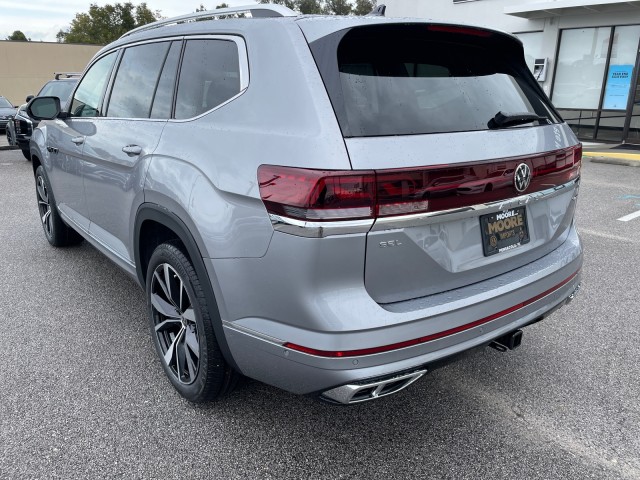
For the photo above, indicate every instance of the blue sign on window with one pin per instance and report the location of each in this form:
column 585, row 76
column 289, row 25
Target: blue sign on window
column 618, row 85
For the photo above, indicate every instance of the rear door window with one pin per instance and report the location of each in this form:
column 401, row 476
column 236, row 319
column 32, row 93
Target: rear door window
column 163, row 98
column 135, row 82
column 209, row 76
column 410, row 79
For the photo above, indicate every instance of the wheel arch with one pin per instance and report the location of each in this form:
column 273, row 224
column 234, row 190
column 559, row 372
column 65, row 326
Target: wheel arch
column 155, row 219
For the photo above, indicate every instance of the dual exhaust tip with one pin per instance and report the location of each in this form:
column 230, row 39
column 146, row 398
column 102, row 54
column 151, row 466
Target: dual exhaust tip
column 351, row 394
column 374, row 389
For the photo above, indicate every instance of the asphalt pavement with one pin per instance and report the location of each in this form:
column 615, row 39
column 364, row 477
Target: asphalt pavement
column 83, row 395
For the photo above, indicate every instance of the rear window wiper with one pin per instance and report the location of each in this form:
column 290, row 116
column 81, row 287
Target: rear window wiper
column 506, row 120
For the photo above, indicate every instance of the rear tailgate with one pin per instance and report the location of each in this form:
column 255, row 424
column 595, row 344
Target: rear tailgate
column 413, row 255
column 463, row 194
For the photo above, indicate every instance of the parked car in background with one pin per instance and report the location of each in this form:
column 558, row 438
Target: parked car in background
column 7, row 111
column 20, row 128
column 287, row 193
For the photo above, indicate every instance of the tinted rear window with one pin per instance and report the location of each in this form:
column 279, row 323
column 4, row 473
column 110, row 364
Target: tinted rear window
column 408, row 79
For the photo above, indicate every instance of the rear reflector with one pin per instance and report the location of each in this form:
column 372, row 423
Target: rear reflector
column 427, row 338
column 330, row 195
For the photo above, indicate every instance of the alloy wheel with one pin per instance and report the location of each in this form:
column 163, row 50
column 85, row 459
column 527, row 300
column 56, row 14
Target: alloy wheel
column 175, row 323
column 43, row 205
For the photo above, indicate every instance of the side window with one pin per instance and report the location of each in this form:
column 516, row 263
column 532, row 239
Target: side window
column 86, row 100
column 210, row 75
column 136, row 81
column 164, row 92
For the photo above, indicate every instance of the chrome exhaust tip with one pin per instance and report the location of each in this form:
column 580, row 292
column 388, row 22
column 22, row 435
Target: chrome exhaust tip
column 351, row 394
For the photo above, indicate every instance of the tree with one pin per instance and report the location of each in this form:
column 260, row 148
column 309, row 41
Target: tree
column 287, row 3
column 310, row 7
column 102, row 25
column 18, row 36
column 338, row 7
column 335, row 7
column 222, row 5
column 364, row 7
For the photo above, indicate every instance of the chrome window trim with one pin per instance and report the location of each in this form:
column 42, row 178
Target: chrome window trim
column 307, row 229
column 243, row 61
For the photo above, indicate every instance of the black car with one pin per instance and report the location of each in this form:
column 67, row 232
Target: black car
column 19, row 129
column 7, row 111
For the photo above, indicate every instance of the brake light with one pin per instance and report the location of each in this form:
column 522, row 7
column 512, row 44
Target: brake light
column 476, row 32
column 329, row 195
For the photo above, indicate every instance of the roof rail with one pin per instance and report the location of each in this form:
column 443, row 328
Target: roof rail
column 57, row 75
column 256, row 11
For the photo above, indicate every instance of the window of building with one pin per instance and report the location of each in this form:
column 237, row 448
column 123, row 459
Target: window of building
column 593, row 82
column 582, row 59
column 532, row 43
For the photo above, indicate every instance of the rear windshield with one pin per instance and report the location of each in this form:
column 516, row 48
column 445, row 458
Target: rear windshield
column 56, row 88
column 418, row 79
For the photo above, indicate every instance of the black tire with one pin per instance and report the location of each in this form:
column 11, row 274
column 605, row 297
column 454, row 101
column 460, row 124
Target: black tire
column 182, row 329
column 58, row 233
column 9, row 139
column 26, row 154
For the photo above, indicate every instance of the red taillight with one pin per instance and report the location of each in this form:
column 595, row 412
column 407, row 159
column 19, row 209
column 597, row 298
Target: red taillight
column 317, row 195
column 326, row 195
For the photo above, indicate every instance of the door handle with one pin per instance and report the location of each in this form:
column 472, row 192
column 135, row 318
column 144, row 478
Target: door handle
column 132, row 149
column 78, row 140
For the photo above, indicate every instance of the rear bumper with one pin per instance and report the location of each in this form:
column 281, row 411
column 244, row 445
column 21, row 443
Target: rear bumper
column 475, row 315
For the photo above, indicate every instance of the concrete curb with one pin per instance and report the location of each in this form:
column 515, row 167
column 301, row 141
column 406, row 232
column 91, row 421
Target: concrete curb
column 8, row 147
column 629, row 158
column 615, row 161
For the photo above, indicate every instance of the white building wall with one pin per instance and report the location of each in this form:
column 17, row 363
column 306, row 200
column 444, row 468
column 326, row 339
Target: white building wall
column 485, row 12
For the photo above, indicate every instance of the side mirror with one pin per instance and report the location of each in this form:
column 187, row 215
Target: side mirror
column 29, row 98
column 44, row 108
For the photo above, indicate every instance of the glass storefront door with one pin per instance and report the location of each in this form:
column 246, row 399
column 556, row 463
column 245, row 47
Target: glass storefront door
column 595, row 77
column 632, row 129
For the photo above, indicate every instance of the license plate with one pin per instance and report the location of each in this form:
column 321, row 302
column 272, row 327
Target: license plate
column 503, row 231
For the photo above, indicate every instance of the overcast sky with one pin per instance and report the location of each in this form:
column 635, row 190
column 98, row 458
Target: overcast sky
column 41, row 20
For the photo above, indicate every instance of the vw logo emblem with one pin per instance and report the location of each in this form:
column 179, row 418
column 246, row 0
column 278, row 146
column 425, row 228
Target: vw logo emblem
column 522, row 177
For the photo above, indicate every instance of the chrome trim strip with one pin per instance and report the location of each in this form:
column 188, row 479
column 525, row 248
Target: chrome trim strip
column 428, row 218
column 308, row 229
column 319, row 229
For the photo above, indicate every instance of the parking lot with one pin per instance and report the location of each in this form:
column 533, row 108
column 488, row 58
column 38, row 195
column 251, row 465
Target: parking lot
column 82, row 393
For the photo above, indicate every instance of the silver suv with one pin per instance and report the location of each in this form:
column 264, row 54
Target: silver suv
column 330, row 205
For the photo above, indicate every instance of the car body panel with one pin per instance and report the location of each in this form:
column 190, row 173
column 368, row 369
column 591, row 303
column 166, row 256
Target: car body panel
column 114, row 178
column 65, row 167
